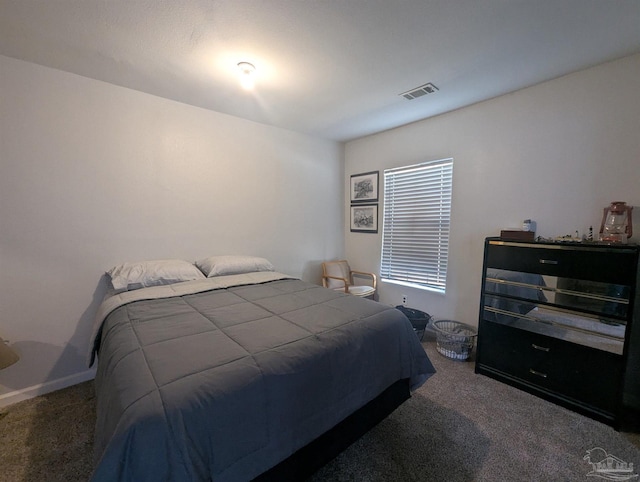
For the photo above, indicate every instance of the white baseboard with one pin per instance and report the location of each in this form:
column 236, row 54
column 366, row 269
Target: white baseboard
column 46, row 387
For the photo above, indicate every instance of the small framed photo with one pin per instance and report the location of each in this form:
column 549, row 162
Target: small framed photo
column 364, row 218
column 364, row 187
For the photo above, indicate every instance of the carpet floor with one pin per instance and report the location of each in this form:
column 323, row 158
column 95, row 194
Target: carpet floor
column 457, row 427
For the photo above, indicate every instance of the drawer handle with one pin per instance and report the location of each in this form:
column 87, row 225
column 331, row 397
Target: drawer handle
column 548, row 261
column 538, row 347
column 537, row 373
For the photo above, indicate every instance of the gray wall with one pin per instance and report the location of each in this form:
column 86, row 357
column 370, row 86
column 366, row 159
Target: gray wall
column 557, row 152
column 92, row 175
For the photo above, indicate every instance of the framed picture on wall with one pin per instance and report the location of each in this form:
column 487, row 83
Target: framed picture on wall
column 364, row 218
column 364, row 187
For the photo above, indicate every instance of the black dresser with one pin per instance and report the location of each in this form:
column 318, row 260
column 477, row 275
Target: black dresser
column 557, row 320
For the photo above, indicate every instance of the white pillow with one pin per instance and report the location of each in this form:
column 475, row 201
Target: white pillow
column 130, row 276
column 223, row 265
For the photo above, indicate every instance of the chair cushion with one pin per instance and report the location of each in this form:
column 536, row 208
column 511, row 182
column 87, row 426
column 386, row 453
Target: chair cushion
column 361, row 290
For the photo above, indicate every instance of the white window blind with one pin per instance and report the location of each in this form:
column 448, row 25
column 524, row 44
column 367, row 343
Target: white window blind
column 416, row 220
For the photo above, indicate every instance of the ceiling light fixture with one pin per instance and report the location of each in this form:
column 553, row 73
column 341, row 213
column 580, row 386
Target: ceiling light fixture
column 246, row 75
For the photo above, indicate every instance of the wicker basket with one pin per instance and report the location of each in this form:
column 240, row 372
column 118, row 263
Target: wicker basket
column 454, row 339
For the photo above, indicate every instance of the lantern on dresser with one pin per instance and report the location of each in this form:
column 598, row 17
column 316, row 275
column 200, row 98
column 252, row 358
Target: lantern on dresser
column 616, row 223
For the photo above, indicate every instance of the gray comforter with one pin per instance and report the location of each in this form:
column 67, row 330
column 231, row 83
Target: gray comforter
column 224, row 383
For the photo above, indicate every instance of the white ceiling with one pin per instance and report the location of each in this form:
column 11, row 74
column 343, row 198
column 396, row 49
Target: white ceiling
column 330, row 68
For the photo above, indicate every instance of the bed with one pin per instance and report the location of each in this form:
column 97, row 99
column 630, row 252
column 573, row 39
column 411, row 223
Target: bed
column 232, row 376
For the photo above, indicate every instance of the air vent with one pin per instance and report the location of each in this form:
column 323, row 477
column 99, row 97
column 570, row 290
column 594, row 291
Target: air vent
column 420, row 91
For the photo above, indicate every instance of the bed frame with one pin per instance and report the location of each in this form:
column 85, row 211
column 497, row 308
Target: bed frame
column 326, row 447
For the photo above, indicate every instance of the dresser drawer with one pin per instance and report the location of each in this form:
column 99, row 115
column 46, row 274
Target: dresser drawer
column 571, row 371
column 616, row 266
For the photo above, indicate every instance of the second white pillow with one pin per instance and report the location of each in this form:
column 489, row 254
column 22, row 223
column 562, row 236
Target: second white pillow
column 232, row 264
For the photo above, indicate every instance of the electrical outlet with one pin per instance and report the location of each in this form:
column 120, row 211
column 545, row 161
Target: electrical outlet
column 404, row 300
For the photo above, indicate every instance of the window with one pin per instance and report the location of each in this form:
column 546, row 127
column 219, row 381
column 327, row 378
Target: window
column 416, row 220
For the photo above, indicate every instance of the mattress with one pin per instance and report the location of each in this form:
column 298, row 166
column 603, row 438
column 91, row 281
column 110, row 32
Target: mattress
column 223, row 378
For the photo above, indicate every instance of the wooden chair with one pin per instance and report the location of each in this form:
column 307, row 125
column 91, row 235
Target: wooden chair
column 337, row 275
